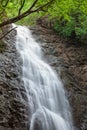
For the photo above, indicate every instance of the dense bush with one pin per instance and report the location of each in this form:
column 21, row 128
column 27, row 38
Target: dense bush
column 71, row 18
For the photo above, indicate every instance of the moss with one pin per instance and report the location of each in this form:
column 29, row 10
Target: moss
column 2, row 46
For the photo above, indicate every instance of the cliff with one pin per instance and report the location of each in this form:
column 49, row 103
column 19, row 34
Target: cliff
column 14, row 110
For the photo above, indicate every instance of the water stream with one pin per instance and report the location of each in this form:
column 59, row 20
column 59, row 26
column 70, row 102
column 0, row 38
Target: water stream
column 48, row 104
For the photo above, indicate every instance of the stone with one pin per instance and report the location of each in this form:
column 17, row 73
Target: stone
column 14, row 112
column 70, row 64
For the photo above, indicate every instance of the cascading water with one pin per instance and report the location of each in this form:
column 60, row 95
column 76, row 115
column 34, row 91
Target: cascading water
column 46, row 96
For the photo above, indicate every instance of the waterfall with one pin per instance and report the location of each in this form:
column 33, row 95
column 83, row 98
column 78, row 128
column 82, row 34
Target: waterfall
column 48, row 104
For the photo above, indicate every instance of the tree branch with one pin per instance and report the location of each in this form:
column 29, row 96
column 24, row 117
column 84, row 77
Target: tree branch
column 26, row 13
column 33, row 5
column 22, row 5
column 41, row 8
column 6, row 3
column 7, row 33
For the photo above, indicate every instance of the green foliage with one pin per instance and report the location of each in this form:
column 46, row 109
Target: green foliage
column 71, row 18
column 70, row 15
column 81, row 29
column 65, row 29
column 13, row 6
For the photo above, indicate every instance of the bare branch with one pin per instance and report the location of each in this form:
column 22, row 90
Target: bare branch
column 26, row 13
column 22, row 5
column 6, row 3
column 7, row 33
column 41, row 8
column 33, row 5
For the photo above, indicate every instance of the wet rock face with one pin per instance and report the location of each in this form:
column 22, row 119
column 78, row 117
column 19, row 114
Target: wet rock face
column 14, row 111
column 76, row 92
column 77, row 98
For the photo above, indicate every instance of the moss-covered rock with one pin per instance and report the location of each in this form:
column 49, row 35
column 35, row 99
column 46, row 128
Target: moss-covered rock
column 2, row 46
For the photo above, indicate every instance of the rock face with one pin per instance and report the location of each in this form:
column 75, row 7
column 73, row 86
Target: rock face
column 13, row 100
column 14, row 110
column 69, row 63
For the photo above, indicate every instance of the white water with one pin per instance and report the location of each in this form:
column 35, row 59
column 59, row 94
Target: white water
column 46, row 96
